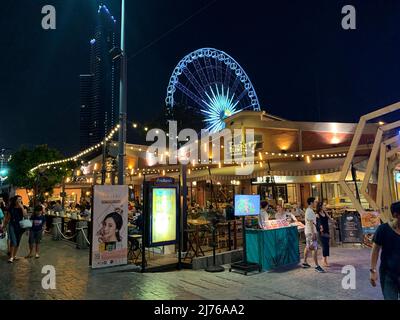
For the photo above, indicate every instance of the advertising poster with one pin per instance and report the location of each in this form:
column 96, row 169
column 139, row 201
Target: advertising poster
column 350, row 227
column 163, row 215
column 370, row 221
column 110, row 226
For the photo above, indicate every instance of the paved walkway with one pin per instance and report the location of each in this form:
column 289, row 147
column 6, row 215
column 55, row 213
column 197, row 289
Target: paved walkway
column 74, row 280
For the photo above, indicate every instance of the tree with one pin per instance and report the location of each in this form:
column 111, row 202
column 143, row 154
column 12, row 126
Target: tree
column 43, row 179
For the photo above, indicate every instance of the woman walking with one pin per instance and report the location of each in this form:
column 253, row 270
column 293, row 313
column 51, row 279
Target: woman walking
column 16, row 213
column 323, row 230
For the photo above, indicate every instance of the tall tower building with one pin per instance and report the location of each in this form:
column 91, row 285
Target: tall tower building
column 99, row 88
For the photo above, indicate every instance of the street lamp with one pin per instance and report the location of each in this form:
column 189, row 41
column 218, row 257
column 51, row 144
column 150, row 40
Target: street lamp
column 122, row 101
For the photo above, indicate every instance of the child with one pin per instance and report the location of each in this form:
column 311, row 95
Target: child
column 35, row 234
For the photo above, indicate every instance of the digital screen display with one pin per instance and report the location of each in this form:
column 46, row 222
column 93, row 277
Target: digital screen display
column 247, row 205
column 163, row 218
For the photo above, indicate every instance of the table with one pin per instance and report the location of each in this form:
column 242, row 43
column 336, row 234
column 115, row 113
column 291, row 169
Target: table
column 195, row 241
column 273, row 248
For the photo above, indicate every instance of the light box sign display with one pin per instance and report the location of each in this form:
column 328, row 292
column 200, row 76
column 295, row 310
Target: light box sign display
column 247, row 205
column 163, row 217
column 110, row 226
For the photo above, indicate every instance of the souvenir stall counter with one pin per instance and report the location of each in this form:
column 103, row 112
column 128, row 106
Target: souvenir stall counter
column 273, row 248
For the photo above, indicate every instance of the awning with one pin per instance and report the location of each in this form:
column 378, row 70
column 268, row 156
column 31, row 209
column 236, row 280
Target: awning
column 287, row 168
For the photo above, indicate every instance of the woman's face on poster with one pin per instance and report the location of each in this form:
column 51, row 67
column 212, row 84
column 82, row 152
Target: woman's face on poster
column 110, row 230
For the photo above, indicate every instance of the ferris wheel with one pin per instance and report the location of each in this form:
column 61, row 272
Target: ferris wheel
column 213, row 82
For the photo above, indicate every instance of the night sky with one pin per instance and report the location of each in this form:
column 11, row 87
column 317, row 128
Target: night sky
column 303, row 65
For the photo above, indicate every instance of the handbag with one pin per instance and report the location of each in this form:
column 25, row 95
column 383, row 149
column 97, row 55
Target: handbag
column 25, row 223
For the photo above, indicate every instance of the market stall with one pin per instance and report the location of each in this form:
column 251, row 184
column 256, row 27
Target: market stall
column 273, row 248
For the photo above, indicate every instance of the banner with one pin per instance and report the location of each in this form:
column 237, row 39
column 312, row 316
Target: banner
column 110, row 226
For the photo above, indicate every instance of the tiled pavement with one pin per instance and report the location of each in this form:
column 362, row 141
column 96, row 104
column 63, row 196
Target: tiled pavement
column 74, row 280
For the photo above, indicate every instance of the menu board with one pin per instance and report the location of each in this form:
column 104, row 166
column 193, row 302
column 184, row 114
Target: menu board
column 350, row 228
column 276, row 224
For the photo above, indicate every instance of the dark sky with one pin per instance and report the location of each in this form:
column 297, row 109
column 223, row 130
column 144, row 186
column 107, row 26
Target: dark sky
column 303, row 65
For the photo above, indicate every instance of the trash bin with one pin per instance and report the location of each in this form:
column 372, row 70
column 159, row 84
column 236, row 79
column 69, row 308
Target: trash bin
column 56, row 228
column 82, row 235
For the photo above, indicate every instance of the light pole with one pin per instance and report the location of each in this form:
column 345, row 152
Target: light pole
column 122, row 101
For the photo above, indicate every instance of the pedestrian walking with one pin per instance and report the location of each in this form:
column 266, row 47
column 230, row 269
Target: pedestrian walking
column 387, row 242
column 323, row 230
column 17, row 212
column 36, row 232
column 310, row 231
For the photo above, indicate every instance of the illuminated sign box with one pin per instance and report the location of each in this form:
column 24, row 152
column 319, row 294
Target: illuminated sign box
column 163, row 218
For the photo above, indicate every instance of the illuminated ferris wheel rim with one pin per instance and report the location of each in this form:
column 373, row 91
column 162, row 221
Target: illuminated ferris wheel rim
column 206, row 86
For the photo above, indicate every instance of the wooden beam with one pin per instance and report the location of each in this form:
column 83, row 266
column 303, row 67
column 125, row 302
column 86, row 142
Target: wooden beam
column 381, row 174
column 353, row 148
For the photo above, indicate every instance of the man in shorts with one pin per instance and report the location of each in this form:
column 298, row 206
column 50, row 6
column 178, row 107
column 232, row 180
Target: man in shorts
column 311, row 235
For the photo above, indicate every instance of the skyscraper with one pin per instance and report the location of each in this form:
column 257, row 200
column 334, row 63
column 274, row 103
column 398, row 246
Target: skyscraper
column 99, row 88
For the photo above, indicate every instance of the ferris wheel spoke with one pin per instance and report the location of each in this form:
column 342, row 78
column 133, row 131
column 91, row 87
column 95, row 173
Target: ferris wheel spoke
column 227, row 77
column 199, row 88
column 240, row 96
column 209, row 68
column 236, row 84
column 219, row 70
column 246, row 108
column 201, row 73
column 190, row 94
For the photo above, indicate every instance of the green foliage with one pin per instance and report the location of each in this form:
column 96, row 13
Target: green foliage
column 44, row 179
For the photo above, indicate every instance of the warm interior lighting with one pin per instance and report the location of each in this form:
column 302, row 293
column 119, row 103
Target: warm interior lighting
column 194, row 183
column 318, row 177
column 308, row 160
column 335, row 140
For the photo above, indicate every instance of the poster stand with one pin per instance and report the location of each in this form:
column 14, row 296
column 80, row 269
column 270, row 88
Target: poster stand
column 245, row 266
column 147, row 237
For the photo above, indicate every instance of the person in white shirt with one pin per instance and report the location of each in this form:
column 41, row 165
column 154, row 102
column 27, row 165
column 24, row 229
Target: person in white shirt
column 311, row 235
column 263, row 216
column 283, row 215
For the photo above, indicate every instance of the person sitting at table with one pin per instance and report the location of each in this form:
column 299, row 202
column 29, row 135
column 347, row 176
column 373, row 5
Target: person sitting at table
column 139, row 222
column 85, row 210
column 263, row 216
column 284, row 215
column 298, row 211
column 57, row 206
